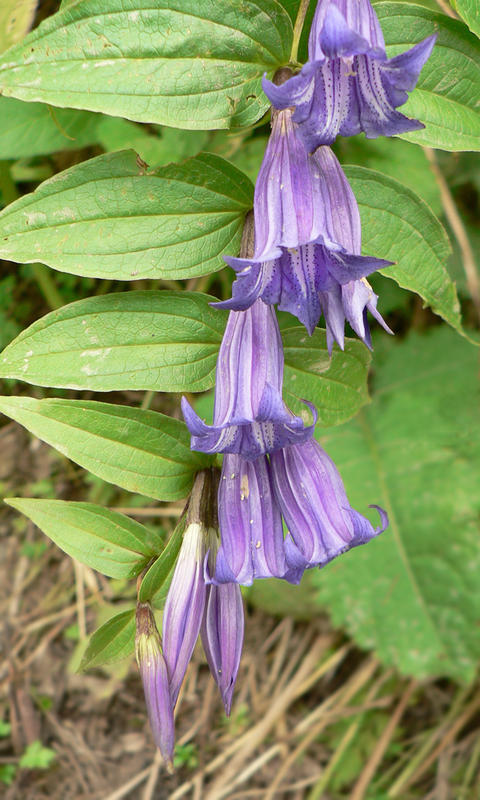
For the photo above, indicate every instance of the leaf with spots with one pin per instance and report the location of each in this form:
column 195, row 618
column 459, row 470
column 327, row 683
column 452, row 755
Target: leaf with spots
column 192, row 64
column 161, row 341
column 111, row 217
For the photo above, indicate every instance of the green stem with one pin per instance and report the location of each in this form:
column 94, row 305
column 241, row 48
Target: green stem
column 47, row 286
column 298, row 29
column 7, row 186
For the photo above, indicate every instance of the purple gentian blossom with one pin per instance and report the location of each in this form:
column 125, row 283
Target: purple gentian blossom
column 156, row 686
column 307, row 240
column 348, row 84
column 183, row 613
column 222, row 636
column 250, row 417
column 252, row 543
column 320, row 520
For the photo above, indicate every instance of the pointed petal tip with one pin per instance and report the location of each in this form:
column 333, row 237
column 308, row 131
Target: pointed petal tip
column 384, row 521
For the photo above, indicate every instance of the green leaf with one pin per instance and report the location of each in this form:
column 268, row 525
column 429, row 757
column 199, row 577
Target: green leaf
column 164, row 147
column 446, row 97
column 111, row 218
column 403, row 161
column 141, row 451
column 398, row 226
column 337, row 386
column 16, row 18
column 163, row 341
column 105, row 540
column 163, row 566
column 184, row 63
column 111, row 642
column 32, row 129
column 469, row 10
column 412, row 594
column 36, row 756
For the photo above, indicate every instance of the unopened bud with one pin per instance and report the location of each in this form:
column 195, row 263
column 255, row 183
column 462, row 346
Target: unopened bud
column 151, row 663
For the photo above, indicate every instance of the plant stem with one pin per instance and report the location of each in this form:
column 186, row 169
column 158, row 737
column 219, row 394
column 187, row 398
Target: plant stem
column 47, row 286
column 40, row 272
column 7, row 186
column 298, row 29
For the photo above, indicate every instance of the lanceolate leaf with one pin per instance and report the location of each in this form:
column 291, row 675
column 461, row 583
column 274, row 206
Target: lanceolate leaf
column 139, row 450
column 110, row 217
column 160, row 570
column 105, row 540
column 446, row 97
column 399, row 226
column 412, row 594
column 337, row 386
column 184, row 63
column 469, row 10
column 111, row 642
column 163, row 341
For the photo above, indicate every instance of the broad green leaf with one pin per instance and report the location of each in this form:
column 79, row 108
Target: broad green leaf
column 412, row 594
column 446, row 97
column 105, row 540
column 469, row 10
column 164, row 147
column 337, row 386
column 399, row 226
column 184, row 63
column 112, row 218
column 16, row 18
column 163, row 341
column 160, row 570
column 32, row 129
column 142, row 451
column 404, row 161
column 111, row 642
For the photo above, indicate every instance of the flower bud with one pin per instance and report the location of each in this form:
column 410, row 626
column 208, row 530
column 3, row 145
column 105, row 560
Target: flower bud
column 151, row 663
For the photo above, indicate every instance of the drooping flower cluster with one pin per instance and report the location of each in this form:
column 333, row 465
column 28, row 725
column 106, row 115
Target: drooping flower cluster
column 307, row 240
column 279, row 506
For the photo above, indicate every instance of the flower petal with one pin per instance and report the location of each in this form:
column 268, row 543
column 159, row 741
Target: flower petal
column 184, row 606
column 222, row 636
column 250, row 416
column 250, row 523
column 311, row 495
column 153, row 671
